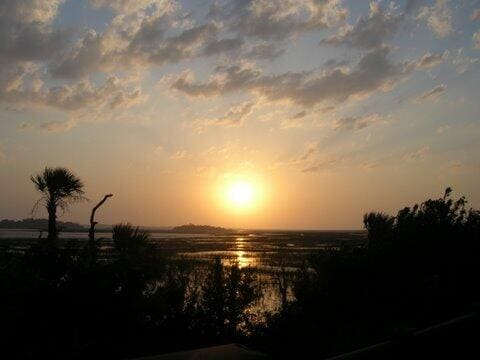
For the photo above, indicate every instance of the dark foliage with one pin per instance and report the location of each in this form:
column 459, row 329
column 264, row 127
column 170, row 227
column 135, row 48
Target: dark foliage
column 418, row 267
column 57, row 303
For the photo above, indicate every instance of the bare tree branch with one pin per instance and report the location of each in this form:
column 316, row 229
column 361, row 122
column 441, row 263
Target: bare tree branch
column 91, row 232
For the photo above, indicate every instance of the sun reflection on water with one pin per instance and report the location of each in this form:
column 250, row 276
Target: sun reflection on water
column 241, row 255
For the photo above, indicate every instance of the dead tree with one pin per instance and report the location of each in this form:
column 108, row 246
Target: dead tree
column 91, row 232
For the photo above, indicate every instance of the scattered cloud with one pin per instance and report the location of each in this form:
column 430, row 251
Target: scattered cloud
column 442, row 129
column 233, row 117
column 311, row 148
column 430, row 60
column 368, row 32
column 322, row 165
column 360, row 122
column 417, row 155
column 374, row 72
column 439, row 18
column 27, row 32
column 264, row 51
column 159, row 150
column 215, row 46
column 462, row 62
column 297, row 120
column 299, row 115
column 112, row 94
column 25, row 127
column 277, row 19
column 87, row 73
column 56, row 126
column 476, row 40
column 432, row 94
column 178, row 155
column 455, row 166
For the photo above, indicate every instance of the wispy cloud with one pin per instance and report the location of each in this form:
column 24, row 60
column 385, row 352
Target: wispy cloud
column 432, row 94
column 235, row 116
column 417, row 155
column 360, row 122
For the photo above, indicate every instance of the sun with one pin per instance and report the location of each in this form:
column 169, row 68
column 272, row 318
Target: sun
column 240, row 194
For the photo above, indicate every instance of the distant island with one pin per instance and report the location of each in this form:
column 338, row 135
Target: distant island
column 200, row 229
column 39, row 224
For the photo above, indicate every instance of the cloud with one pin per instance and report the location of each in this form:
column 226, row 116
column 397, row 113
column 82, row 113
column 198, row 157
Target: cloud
column 26, row 32
column 417, row 154
column 25, row 127
column 81, row 60
column 476, row 40
column 149, row 32
column 430, row 60
column 220, row 46
column 56, row 126
column 82, row 100
column 233, row 117
column 368, row 32
column 311, row 148
column 432, row 94
column 143, row 34
column 442, row 129
column 305, row 159
column 264, row 52
column 277, row 19
column 178, row 155
column 439, row 18
column 322, row 165
column 299, row 115
column 462, row 62
column 159, row 150
column 359, row 122
column 295, row 121
column 374, row 72
column 132, row 6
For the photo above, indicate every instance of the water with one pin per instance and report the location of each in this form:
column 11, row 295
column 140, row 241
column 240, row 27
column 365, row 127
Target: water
column 261, row 249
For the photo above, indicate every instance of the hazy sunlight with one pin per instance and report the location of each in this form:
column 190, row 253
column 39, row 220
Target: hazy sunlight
column 241, row 193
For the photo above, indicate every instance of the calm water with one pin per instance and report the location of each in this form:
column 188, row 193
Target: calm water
column 258, row 249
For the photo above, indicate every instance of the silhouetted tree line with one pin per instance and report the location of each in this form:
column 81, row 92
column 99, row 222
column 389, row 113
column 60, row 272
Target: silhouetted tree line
column 57, row 302
column 64, row 301
column 60, row 300
column 38, row 224
column 418, row 267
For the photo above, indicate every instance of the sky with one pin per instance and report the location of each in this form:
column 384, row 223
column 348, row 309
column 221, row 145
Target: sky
column 326, row 109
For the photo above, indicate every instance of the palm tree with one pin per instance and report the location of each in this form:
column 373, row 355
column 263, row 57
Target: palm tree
column 59, row 188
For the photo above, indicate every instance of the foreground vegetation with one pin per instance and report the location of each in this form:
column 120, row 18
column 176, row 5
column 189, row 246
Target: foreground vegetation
column 418, row 267
column 59, row 301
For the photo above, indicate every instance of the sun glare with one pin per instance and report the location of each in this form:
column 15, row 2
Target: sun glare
column 240, row 193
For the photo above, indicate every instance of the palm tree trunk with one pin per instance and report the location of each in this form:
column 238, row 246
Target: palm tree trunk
column 52, row 222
